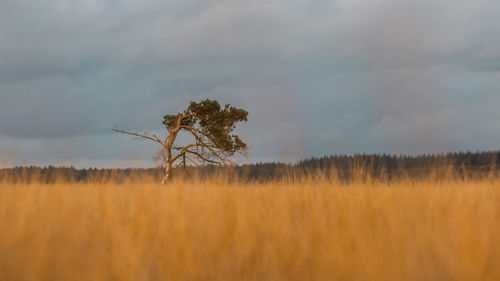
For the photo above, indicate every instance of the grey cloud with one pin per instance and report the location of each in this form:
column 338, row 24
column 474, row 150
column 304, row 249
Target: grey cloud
column 81, row 151
column 448, row 129
column 318, row 77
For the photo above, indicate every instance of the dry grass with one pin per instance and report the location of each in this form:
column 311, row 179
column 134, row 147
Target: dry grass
column 217, row 231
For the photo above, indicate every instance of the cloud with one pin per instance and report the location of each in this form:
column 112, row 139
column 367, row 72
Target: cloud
column 83, row 151
column 318, row 77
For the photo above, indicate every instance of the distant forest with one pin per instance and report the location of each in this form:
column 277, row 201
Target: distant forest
column 341, row 167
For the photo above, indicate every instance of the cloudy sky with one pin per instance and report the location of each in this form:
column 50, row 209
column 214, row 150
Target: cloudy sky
column 317, row 76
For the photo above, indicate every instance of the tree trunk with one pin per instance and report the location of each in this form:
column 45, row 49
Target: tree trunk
column 168, row 164
column 168, row 170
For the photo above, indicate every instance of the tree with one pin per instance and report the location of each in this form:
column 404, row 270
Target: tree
column 210, row 127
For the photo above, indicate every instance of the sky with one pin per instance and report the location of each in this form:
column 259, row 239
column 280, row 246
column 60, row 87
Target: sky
column 318, row 77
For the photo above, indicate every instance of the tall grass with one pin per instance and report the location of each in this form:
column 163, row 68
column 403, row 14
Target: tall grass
column 214, row 230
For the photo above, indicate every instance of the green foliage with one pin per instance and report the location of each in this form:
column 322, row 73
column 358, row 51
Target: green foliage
column 170, row 120
column 215, row 122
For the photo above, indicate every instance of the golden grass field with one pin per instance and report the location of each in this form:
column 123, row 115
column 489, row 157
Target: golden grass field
column 313, row 230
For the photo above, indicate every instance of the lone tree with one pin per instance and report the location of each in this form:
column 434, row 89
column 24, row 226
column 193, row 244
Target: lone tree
column 210, row 127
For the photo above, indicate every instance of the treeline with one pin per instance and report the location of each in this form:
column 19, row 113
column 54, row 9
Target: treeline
column 340, row 167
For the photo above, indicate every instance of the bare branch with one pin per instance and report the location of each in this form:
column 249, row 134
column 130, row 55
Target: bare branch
column 194, row 131
column 202, row 144
column 193, row 115
column 177, row 156
column 211, row 148
column 184, row 149
column 203, row 158
column 145, row 136
column 155, row 136
column 193, row 145
column 192, row 161
column 178, row 126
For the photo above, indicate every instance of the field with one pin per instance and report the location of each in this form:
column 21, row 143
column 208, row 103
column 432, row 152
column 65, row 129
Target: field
column 309, row 230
